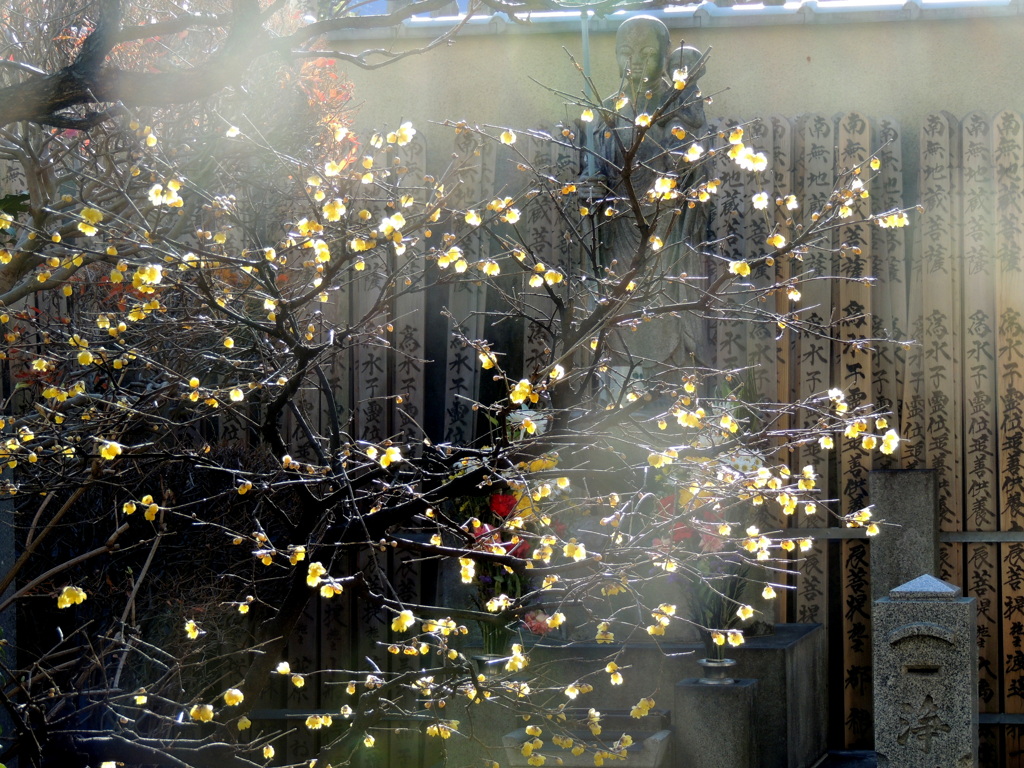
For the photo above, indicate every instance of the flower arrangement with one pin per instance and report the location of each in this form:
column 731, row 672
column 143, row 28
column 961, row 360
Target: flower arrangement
column 498, row 586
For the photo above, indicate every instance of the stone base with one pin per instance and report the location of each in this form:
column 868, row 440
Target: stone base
column 790, row 711
column 714, row 725
column 649, row 750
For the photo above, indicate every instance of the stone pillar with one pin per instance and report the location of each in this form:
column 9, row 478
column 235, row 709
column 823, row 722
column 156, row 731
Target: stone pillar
column 713, row 726
column 910, row 499
column 926, row 676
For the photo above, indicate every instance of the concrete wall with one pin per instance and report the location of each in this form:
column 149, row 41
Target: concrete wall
column 789, row 63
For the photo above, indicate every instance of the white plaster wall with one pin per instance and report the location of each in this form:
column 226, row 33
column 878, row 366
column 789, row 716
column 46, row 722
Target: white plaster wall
column 903, row 69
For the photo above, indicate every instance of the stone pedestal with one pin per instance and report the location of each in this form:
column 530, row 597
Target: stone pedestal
column 649, row 750
column 926, row 676
column 790, row 710
column 714, row 725
column 909, row 498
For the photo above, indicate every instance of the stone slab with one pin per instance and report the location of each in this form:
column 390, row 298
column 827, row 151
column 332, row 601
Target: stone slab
column 909, row 498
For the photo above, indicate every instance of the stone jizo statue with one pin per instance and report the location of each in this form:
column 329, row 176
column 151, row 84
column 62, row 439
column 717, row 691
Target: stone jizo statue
column 646, row 70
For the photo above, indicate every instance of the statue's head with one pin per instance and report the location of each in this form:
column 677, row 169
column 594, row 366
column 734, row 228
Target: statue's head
column 641, row 45
column 689, row 58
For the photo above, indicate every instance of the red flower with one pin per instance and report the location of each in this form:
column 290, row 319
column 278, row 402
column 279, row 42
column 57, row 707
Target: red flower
column 502, row 504
column 681, row 531
column 536, row 622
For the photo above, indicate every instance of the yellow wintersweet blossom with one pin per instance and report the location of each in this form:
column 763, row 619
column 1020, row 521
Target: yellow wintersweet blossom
column 508, row 137
column 555, row 620
column 146, row 277
column 314, row 574
column 604, row 635
column 826, row 442
column 201, row 712
column 679, row 78
column 70, row 596
column 744, row 612
column 587, row 115
column 518, row 660
column 444, row 730
column 268, row 751
column 233, row 697
column 777, row 241
column 643, row 120
column 192, row 630
column 664, row 187
column 522, row 392
column 487, row 359
column 473, row 218
column 467, row 569
column 298, row 681
column 659, row 460
column 693, row 153
column 110, row 450
column 735, row 637
column 334, row 210
column 236, row 395
column 91, row 217
column 890, row 441
column 161, row 195
column 750, row 160
column 575, row 550
column 391, row 456
column 528, row 425
column 283, row 668
column 740, row 268
column 760, row 201
column 893, row 220
column 642, row 708
column 403, row 621
column 403, row 135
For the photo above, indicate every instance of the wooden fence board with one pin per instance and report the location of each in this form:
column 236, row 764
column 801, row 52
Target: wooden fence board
column 468, row 298
column 1008, row 145
column 813, row 364
column 855, row 365
column 939, row 180
column 979, row 484
column 408, row 335
column 889, row 296
column 782, row 170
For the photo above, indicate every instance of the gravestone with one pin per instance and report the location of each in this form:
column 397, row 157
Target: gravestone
column 926, row 676
column 908, row 498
